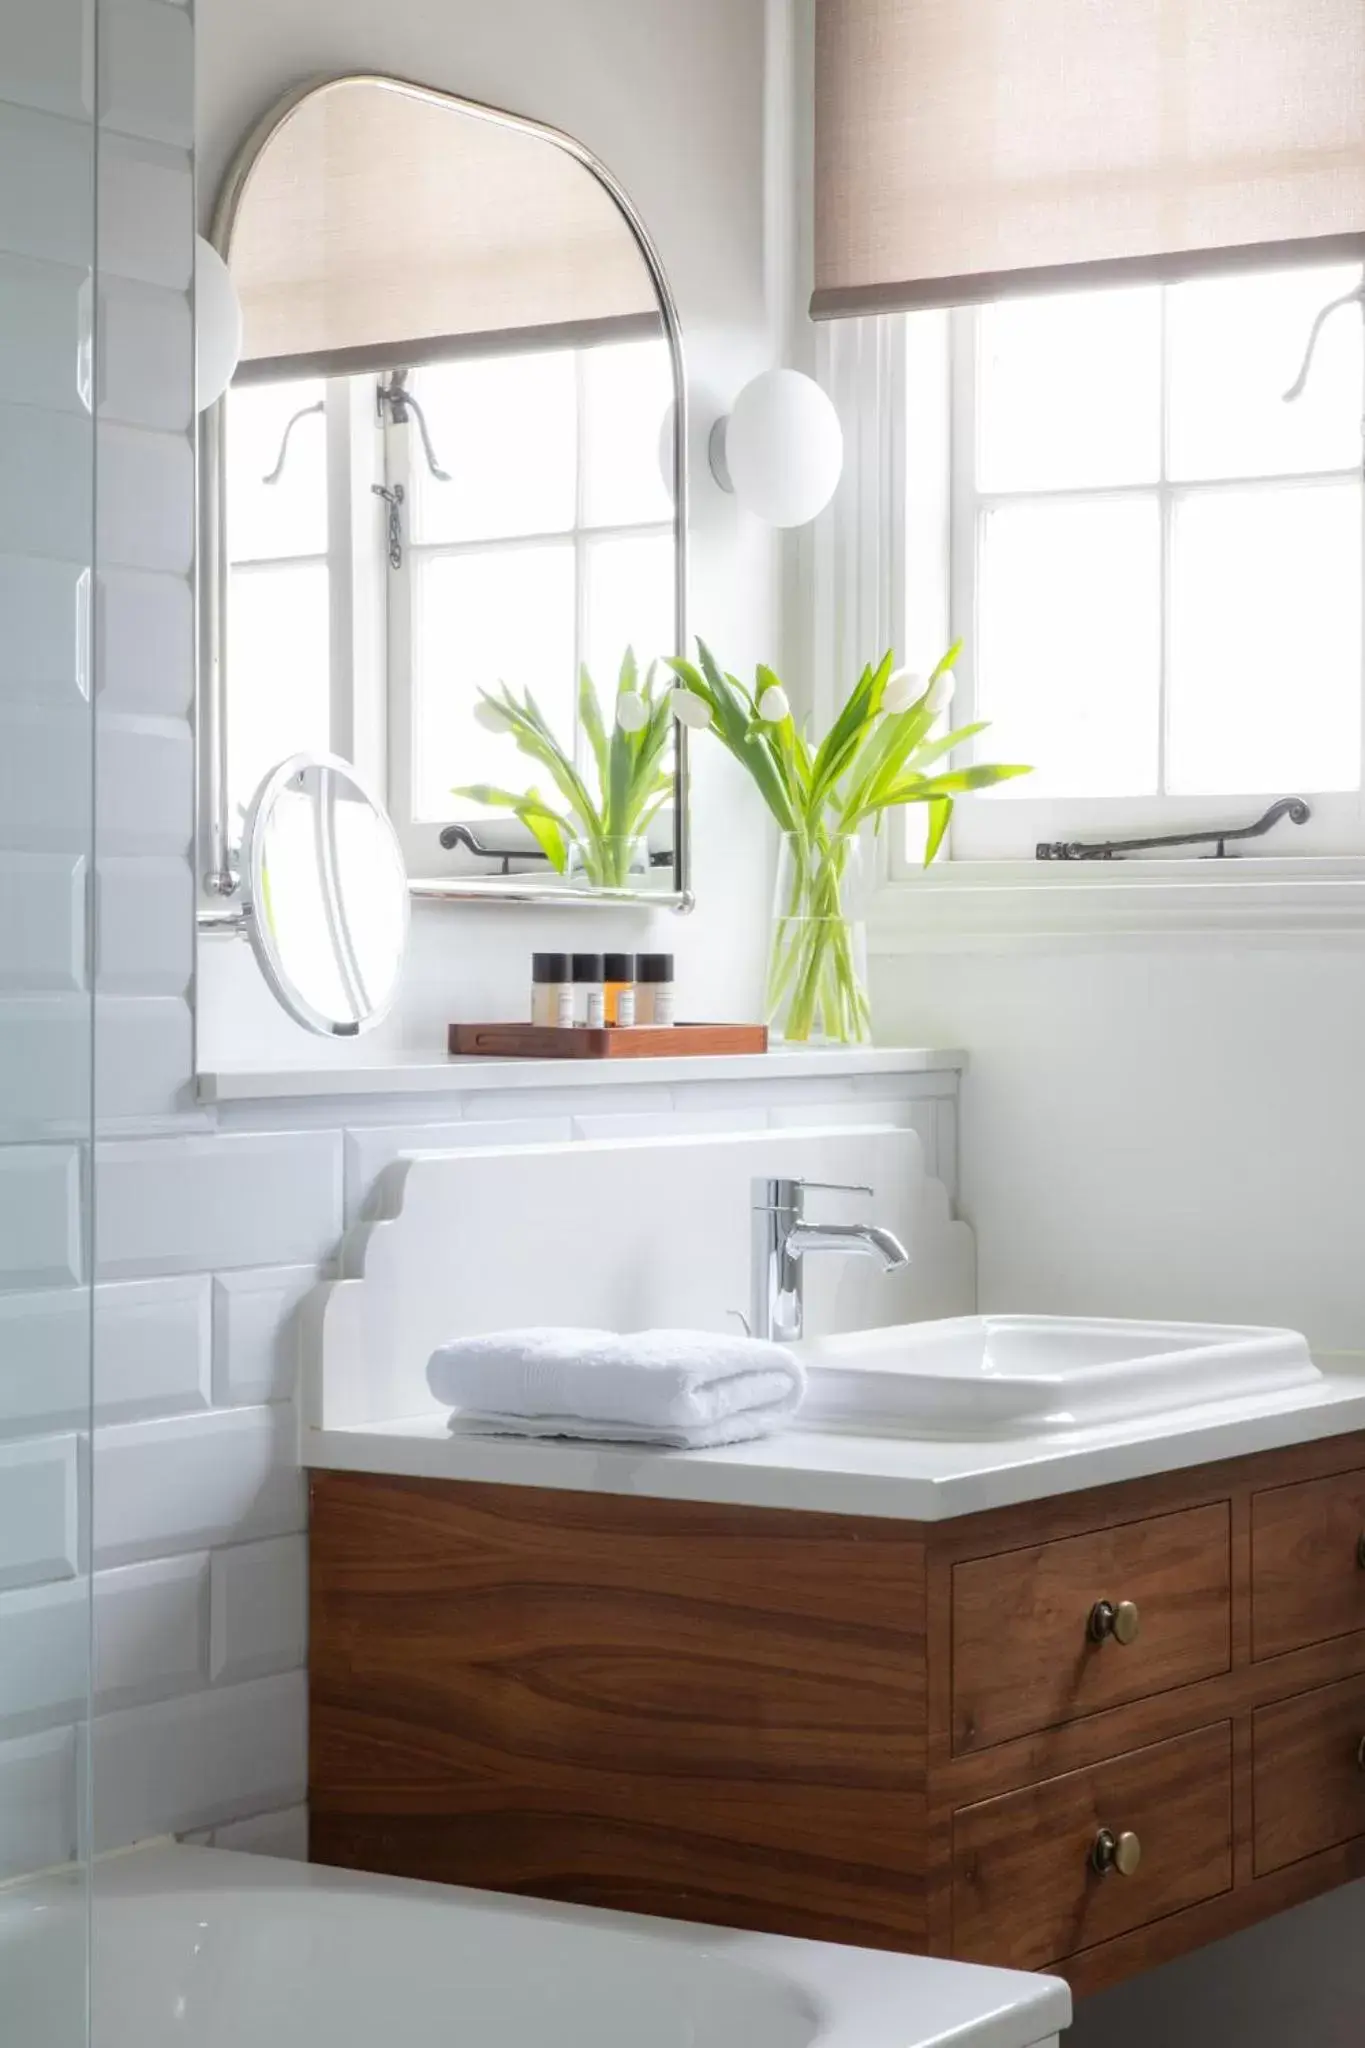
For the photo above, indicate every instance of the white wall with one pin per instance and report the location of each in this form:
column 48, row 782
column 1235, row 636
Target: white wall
column 1172, row 1130
column 672, row 99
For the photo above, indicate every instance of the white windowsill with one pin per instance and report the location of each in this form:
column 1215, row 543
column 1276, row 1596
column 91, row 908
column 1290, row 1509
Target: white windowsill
column 415, row 1074
column 979, row 905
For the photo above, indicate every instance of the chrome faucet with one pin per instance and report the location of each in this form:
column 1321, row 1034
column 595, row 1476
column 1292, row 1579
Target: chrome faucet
column 782, row 1240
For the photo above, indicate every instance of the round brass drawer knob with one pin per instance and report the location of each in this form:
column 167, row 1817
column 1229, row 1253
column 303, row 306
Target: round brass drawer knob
column 1112, row 1622
column 1122, row 1853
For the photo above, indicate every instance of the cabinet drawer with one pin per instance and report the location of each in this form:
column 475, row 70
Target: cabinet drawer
column 1024, row 1656
column 1308, row 1770
column 1307, row 1581
column 1026, row 1889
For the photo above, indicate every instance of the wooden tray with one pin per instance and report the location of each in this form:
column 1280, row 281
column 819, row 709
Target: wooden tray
column 617, row 1042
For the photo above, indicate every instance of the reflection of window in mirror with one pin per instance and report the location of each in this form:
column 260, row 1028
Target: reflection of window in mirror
column 549, row 546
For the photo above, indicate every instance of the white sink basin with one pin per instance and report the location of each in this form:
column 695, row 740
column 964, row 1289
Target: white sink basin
column 986, row 1376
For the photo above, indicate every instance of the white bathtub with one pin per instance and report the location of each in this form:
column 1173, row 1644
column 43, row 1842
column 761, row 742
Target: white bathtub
column 195, row 1948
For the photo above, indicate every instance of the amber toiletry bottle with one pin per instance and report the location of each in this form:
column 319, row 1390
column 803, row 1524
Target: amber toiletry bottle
column 619, row 988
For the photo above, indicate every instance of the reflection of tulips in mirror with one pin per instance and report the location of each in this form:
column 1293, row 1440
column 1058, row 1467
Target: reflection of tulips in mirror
column 595, row 825
column 878, row 755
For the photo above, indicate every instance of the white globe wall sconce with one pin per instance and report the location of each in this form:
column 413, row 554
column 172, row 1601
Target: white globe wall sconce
column 780, row 450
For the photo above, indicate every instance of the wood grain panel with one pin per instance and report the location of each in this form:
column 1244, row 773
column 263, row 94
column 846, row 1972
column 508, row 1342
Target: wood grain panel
column 1024, row 1891
column 708, row 1712
column 1022, row 1659
column 1308, row 1774
column 1307, row 1582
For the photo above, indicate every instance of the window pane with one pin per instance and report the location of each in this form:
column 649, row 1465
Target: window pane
column 629, row 603
column 484, row 618
column 506, row 429
column 1069, row 391
column 1265, row 641
column 1068, row 644
column 627, row 397
column 1236, row 344
column 278, row 655
column 288, row 517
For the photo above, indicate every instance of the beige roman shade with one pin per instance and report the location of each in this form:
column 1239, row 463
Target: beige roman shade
column 970, row 148
column 380, row 227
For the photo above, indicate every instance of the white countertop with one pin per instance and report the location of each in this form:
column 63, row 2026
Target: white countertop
column 418, row 1074
column 900, row 1478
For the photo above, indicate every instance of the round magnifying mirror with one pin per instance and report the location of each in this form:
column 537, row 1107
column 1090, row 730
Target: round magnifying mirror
column 326, row 895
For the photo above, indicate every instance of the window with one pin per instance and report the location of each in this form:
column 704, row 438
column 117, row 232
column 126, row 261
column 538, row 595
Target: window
column 1154, row 561
column 371, row 598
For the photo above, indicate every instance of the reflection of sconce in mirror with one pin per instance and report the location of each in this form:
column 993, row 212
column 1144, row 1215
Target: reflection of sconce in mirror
column 217, row 325
column 781, row 450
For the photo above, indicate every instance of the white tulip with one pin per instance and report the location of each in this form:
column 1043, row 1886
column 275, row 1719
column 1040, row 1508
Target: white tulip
column 632, row 712
column 905, row 688
column 774, row 705
column 941, row 692
column 689, row 709
column 491, row 717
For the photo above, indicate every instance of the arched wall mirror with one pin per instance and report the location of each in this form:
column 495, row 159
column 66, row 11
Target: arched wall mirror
column 445, row 498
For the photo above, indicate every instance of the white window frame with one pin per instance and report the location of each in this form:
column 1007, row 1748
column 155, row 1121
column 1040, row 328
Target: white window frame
column 900, row 429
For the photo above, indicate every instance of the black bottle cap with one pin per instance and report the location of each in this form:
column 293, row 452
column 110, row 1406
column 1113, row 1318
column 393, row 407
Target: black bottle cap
column 549, row 967
column 619, row 967
column 655, row 967
column 587, row 967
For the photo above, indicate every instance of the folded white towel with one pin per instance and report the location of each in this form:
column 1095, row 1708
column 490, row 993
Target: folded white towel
column 679, row 1389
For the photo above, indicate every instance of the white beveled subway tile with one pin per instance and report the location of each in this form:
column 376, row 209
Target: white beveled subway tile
column 38, row 1778
column 151, row 1630
column 42, row 922
column 144, row 784
column 45, row 1049
column 200, row 1760
column 153, row 1348
column 144, row 642
column 145, row 499
column 147, row 71
column 46, row 481
column 45, row 778
column 259, row 1607
column 46, row 186
column 145, row 925
column 255, row 1333
column 144, row 1056
column 166, row 1487
column 840, row 1112
column 146, row 355
column 40, row 1216
column 146, row 196
column 150, row 1635
column 370, row 1150
column 196, row 1204
column 43, row 604
column 48, row 58
column 283, row 1833
column 39, row 1510
column 41, row 308
column 673, row 1123
column 151, row 1353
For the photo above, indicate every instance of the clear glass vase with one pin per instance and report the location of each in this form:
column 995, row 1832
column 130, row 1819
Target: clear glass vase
column 817, row 965
column 609, row 863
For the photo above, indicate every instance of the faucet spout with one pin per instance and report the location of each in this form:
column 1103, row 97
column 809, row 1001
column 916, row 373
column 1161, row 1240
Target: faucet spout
column 866, row 1240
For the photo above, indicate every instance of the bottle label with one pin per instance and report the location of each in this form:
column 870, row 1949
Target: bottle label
column 625, row 1008
column 563, row 996
column 597, row 1009
column 665, row 1003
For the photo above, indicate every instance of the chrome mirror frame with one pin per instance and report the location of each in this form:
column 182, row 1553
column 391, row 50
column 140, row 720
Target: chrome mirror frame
column 219, row 881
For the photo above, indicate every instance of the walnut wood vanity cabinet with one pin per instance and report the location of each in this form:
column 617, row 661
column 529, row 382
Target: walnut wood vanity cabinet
column 1084, row 1734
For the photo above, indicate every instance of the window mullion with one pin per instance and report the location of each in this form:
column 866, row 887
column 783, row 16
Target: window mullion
column 1165, row 558
column 580, row 545
column 400, row 638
